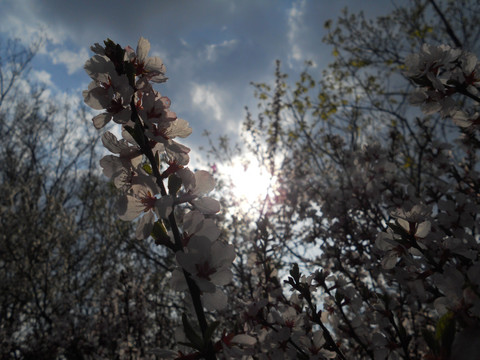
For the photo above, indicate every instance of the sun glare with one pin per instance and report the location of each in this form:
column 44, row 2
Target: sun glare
column 251, row 183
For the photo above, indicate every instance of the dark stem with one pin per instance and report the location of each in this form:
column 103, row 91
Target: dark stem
column 447, row 25
column 462, row 90
column 328, row 337
column 192, row 286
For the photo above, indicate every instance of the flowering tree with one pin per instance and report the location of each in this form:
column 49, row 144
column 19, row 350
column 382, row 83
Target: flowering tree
column 73, row 282
column 364, row 182
column 148, row 155
column 389, row 206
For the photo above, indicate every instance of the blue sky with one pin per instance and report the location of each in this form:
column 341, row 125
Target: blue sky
column 212, row 49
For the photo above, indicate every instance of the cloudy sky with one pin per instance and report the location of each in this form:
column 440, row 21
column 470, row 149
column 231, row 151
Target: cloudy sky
column 212, row 49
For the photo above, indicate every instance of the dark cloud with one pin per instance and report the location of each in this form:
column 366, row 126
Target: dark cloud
column 212, row 48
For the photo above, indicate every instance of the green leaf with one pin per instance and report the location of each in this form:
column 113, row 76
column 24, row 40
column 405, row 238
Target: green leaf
column 130, row 130
column 157, row 159
column 402, row 332
column 159, row 233
column 397, row 229
column 130, row 71
column 116, row 54
column 295, row 272
column 339, row 297
column 431, row 341
column 147, row 168
column 445, row 331
column 138, row 134
column 195, row 340
column 174, row 184
column 187, row 344
column 302, row 356
column 210, row 330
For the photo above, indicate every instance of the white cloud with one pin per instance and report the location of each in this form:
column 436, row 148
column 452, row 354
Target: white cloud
column 206, row 98
column 214, row 50
column 42, row 77
column 22, row 22
column 294, row 28
column 298, row 33
column 74, row 61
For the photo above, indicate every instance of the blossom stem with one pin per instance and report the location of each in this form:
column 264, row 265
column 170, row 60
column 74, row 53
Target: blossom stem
column 332, row 346
column 464, row 91
column 448, row 28
column 192, row 286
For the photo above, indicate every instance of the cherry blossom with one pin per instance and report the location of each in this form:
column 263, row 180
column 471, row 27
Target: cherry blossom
column 196, row 185
column 151, row 68
column 315, row 343
column 195, row 224
column 207, row 262
column 108, row 91
column 142, row 199
column 441, row 72
column 414, row 221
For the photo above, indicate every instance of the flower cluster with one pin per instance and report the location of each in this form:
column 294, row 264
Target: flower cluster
column 440, row 72
column 433, row 249
column 121, row 87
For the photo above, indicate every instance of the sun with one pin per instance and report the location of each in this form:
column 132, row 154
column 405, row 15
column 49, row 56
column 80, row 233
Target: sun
column 251, row 182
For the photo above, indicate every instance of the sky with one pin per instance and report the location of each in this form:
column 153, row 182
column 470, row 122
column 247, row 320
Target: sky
column 212, row 49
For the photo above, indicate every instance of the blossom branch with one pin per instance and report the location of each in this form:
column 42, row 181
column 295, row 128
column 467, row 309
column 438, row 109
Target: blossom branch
column 304, row 289
column 448, row 28
column 192, row 286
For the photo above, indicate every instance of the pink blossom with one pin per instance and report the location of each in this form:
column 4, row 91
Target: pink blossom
column 196, row 185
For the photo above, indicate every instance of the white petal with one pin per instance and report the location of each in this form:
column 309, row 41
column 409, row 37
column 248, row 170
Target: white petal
column 192, row 221
column 164, row 206
column 145, row 226
column 143, row 48
column 204, row 285
column 181, row 158
column 98, row 49
column 178, row 280
column 129, row 207
column 123, row 116
column 404, row 224
column 188, row 178
column 204, row 182
column 98, row 65
column 215, row 301
column 101, row 120
column 244, row 339
column 441, row 304
column 423, row 229
column 129, row 138
column 200, row 245
column 209, row 229
column 178, row 128
column 384, row 242
column 111, row 142
column 223, row 277
column 154, row 65
column 222, row 254
column 111, row 165
column 184, row 260
column 207, row 205
column 390, row 260
column 97, row 98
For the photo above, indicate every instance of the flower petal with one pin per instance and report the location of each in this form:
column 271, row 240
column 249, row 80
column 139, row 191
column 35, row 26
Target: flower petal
column 207, row 205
